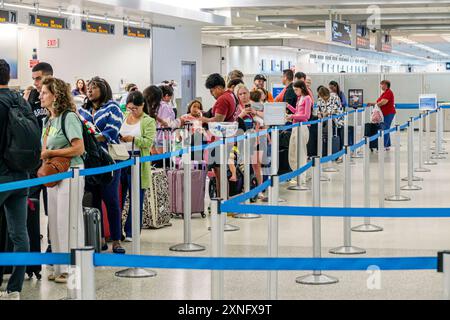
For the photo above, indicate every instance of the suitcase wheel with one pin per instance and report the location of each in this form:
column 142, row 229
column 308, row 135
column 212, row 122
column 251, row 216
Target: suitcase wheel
column 38, row 276
column 30, row 275
column 203, row 215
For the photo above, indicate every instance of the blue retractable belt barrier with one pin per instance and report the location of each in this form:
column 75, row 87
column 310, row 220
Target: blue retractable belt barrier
column 332, row 157
column 113, row 167
column 404, row 126
column 293, row 174
column 358, row 145
column 374, row 137
column 311, row 122
column 338, row 212
column 229, row 263
column 387, row 131
column 33, row 259
column 9, row 186
column 416, row 118
column 252, row 193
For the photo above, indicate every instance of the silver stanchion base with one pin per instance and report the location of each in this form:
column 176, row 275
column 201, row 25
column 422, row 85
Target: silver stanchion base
column 330, row 169
column 414, row 178
column 397, row 198
column 247, row 216
column 367, row 228
column 324, row 179
column 420, row 169
column 443, row 152
column 299, row 188
column 280, row 200
column 411, row 188
column 437, row 156
column 316, row 279
column 430, row 163
column 357, row 156
column 230, row 227
column 347, row 250
column 135, row 273
column 187, row 247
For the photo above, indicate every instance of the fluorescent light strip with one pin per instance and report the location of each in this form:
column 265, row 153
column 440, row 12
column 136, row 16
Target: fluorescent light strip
column 421, row 46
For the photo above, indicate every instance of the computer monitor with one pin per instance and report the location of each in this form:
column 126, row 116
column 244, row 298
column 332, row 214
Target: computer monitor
column 355, row 98
column 427, row 102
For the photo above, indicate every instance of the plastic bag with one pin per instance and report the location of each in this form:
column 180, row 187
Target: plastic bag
column 377, row 115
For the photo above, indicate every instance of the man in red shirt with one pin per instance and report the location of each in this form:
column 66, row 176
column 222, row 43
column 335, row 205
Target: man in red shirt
column 224, row 110
column 387, row 105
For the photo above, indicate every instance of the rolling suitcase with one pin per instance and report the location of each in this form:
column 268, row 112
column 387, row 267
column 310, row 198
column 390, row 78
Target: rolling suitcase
column 335, row 145
column 156, row 210
column 92, row 228
column 371, row 129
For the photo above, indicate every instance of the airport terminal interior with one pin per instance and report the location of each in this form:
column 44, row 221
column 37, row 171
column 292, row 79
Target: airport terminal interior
column 335, row 106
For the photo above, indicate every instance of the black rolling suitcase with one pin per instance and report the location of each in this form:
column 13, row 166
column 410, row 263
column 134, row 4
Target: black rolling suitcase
column 92, row 228
column 371, row 129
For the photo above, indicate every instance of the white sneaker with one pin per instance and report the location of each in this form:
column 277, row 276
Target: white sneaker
column 128, row 239
column 4, row 295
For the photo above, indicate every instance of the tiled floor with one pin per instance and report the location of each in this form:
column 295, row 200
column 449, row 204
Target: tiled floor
column 401, row 237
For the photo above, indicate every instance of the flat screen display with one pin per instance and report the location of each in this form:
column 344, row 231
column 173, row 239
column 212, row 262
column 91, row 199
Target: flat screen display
column 427, row 102
column 355, row 98
column 341, row 32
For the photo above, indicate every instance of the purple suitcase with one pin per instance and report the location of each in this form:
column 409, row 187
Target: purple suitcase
column 176, row 189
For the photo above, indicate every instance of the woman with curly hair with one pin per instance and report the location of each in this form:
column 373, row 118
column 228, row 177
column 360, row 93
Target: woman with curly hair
column 57, row 99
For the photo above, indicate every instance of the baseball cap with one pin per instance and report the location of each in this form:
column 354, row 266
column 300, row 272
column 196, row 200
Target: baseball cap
column 260, row 77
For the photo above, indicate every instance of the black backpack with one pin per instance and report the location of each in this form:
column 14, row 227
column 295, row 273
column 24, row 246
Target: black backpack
column 22, row 152
column 94, row 155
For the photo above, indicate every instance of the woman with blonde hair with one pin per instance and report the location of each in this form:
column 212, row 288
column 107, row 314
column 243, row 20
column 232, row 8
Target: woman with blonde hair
column 62, row 137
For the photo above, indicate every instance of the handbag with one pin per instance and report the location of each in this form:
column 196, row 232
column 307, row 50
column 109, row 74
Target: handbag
column 53, row 166
column 118, row 152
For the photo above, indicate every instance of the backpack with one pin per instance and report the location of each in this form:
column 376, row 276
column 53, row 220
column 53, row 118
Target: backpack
column 94, row 155
column 22, row 151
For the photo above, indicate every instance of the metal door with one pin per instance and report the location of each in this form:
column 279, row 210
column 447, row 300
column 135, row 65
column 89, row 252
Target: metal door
column 188, row 76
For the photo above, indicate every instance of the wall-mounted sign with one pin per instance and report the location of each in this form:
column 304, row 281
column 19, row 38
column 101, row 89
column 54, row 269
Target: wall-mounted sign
column 38, row 20
column 338, row 32
column 53, row 43
column 355, row 98
column 362, row 37
column 97, row 27
column 136, row 32
column 7, row 16
column 384, row 42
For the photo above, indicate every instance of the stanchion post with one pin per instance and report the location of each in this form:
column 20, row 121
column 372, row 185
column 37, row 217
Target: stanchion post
column 272, row 276
column 187, row 246
column 330, row 167
column 84, row 280
column 217, row 223
column 136, row 224
column 300, row 146
column 275, row 151
column 367, row 226
column 347, row 248
column 397, row 196
column 421, row 160
column 410, row 186
column 224, row 181
column 355, row 154
column 381, row 169
column 438, row 153
column 428, row 160
column 76, row 238
column 316, row 277
column 320, row 147
column 247, row 164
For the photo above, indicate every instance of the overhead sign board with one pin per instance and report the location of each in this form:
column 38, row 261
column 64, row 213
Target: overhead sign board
column 136, row 32
column 8, row 16
column 384, row 42
column 50, row 22
column 338, row 32
column 427, row 102
column 97, row 27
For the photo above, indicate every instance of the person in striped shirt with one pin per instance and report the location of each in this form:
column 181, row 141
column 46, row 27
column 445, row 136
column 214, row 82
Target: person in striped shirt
column 102, row 112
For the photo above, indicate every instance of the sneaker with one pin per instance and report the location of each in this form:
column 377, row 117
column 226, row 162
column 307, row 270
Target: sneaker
column 62, row 278
column 5, row 295
column 51, row 277
column 128, row 239
column 387, row 149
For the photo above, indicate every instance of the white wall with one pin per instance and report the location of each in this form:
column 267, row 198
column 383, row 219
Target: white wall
column 116, row 58
column 171, row 47
column 212, row 60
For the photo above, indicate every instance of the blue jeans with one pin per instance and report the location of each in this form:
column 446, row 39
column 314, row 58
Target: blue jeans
column 110, row 195
column 14, row 204
column 128, row 223
column 386, row 125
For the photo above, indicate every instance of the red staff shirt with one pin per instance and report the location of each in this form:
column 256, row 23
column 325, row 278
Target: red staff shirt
column 388, row 108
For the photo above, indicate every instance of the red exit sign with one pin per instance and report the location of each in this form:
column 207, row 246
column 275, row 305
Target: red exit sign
column 53, row 43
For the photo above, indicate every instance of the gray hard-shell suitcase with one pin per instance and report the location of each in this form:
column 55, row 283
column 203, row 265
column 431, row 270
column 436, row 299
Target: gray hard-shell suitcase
column 92, row 228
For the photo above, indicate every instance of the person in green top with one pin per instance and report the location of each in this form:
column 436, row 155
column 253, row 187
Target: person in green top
column 137, row 133
column 56, row 98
